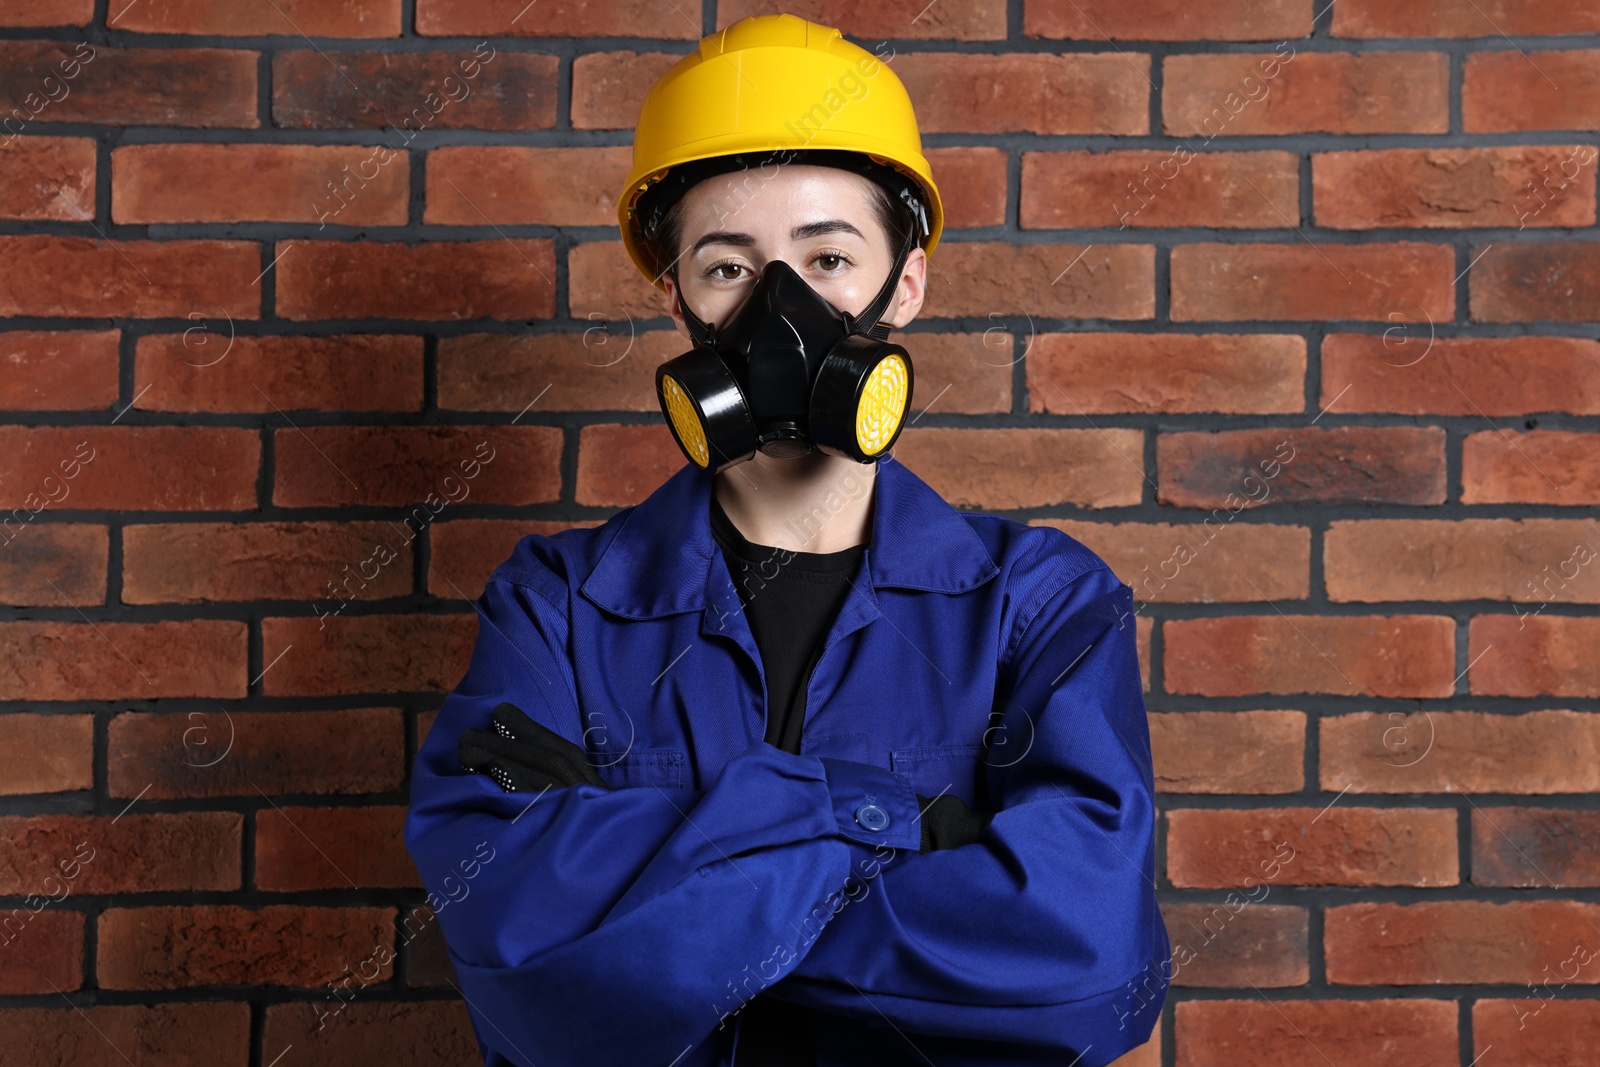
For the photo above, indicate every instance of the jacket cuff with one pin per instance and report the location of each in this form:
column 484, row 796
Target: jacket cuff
column 873, row 806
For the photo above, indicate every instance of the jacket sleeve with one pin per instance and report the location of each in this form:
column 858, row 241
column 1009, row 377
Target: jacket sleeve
column 595, row 926
column 1045, row 931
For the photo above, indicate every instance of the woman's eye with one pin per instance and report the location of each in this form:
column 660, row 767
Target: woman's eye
column 838, row 258
column 720, row 267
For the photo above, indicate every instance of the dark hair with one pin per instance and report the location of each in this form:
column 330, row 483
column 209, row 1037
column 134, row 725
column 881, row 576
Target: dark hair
column 892, row 213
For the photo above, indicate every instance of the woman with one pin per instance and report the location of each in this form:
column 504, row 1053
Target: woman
column 792, row 762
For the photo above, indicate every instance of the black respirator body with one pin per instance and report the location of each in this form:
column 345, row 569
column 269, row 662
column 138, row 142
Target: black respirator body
column 788, row 371
column 785, row 374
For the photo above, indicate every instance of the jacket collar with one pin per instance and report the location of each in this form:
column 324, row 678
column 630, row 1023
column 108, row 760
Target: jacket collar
column 659, row 561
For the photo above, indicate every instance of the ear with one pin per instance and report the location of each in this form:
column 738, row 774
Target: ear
column 671, row 282
column 911, row 291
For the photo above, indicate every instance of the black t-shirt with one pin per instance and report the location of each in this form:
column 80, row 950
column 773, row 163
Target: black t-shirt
column 790, row 600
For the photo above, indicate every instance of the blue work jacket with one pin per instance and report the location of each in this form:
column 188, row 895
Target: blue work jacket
column 974, row 654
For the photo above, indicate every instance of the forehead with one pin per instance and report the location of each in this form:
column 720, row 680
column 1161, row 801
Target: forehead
column 771, row 199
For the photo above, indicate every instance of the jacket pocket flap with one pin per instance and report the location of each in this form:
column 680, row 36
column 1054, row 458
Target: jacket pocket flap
column 665, row 767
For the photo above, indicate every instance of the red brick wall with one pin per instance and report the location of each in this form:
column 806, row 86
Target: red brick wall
column 1285, row 308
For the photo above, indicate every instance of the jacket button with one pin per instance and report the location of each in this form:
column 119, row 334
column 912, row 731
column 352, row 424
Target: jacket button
column 872, row 817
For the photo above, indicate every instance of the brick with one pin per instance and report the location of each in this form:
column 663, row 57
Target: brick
column 1033, row 93
column 612, row 367
column 429, row 467
column 982, row 279
column 979, row 20
column 621, row 465
column 965, row 373
column 94, row 1035
column 1454, row 188
column 1266, row 1033
column 1407, row 370
column 1464, row 18
column 45, row 753
column 189, row 563
column 1516, row 90
column 1535, row 847
column 122, row 660
column 219, row 944
column 605, row 368
column 972, row 184
column 1541, row 1029
column 989, row 468
column 367, row 653
column 1348, row 655
column 128, row 279
column 1147, row 1054
column 332, row 848
column 500, row 18
column 46, row 177
column 603, row 285
column 1082, row 190
column 260, row 18
column 195, row 371
column 1247, row 562
column 260, row 182
column 1231, row 282
column 1214, row 849
column 144, row 468
column 1557, row 280
column 609, row 87
column 463, row 553
column 42, row 945
column 427, row 956
column 46, row 12
column 401, row 1034
column 247, row 753
column 1146, row 628
column 1460, row 751
column 44, row 563
column 1228, row 751
column 509, row 278
column 405, row 93
column 1540, row 467
column 52, row 855
column 1459, row 942
column 1238, row 93
column 1533, row 561
column 1113, row 373
column 470, row 185
column 1167, row 20
column 58, row 370
column 1235, row 470
column 113, row 86
column 1544, row 655
column 1238, row 940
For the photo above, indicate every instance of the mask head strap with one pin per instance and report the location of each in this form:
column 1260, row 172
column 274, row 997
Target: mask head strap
column 873, row 313
column 700, row 332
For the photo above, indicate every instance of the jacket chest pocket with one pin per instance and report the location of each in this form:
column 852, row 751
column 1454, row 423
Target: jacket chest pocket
column 664, row 767
column 935, row 769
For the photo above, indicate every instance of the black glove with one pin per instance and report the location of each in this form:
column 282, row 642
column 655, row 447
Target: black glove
column 947, row 822
column 524, row 756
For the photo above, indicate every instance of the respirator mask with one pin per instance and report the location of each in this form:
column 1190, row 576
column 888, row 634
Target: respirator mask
column 788, row 373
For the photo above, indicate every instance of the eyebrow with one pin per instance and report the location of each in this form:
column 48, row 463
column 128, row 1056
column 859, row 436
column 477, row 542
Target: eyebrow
column 799, row 233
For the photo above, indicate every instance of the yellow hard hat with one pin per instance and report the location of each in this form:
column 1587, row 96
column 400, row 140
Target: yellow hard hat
column 778, row 89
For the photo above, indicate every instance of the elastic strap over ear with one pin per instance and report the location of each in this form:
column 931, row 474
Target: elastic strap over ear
column 880, row 303
column 699, row 331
